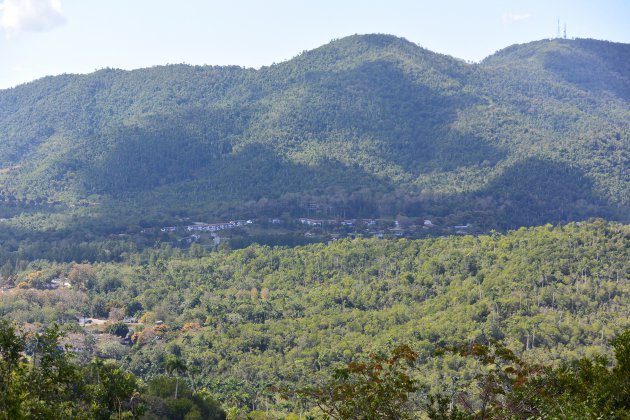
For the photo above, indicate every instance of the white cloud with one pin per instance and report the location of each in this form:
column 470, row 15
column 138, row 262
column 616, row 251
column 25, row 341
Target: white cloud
column 30, row 15
column 510, row 17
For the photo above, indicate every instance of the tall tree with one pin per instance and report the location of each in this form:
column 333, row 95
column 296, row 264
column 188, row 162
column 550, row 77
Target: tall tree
column 177, row 366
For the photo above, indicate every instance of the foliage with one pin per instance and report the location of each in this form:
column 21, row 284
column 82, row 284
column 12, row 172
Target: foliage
column 161, row 404
column 51, row 385
column 11, row 369
column 242, row 320
column 514, row 388
column 119, row 329
column 365, row 126
column 370, row 125
column 510, row 387
column 585, row 387
column 378, row 388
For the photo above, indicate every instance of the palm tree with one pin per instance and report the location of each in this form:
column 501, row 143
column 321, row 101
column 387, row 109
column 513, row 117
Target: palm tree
column 175, row 365
column 97, row 365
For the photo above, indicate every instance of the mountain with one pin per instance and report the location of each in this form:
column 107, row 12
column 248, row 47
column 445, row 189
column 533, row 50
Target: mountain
column 371, row 125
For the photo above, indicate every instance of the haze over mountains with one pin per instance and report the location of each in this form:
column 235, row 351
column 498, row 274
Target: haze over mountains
column 371, row 125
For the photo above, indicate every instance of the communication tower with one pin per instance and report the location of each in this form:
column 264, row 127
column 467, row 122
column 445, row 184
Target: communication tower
column 558, row 31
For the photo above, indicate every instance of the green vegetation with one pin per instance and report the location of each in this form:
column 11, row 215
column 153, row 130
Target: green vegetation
column 243, row 320
column 49, row 385
column 115, row 318
column 371, row 125
column 39, row 379
column 510, row 388
column 378, row 389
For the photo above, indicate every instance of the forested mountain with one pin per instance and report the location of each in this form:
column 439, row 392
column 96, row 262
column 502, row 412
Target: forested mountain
column 372, row 125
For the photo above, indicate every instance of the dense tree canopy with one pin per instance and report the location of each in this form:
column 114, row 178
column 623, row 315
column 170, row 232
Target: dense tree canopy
column 242, row 320
column 371, row 125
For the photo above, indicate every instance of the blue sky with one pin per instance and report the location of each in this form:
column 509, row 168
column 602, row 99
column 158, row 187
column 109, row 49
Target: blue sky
column 49, row 37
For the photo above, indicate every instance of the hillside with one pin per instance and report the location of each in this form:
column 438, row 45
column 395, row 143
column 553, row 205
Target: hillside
column 243, row 320
column 371, row 125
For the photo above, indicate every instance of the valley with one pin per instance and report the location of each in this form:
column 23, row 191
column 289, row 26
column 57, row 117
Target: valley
column 226, row 242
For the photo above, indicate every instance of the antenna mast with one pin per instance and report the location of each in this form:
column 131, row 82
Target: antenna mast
column 565, row 31
column 558, row 32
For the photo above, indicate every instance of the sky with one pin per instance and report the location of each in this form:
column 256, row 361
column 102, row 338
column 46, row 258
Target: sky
column 51, row 37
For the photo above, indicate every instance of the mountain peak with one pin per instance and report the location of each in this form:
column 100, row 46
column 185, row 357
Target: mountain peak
column 588, row 64
column 376, row 40
column 539, row 49
column 355, row 50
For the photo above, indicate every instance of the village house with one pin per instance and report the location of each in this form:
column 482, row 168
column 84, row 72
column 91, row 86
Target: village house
column 215, row 227
column 311, row 222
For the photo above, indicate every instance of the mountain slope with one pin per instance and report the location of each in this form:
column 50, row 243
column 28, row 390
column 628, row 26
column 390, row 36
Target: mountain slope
column 258, row 316
column 372, row 125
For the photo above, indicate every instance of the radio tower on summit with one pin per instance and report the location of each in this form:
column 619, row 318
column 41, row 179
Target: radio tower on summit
column 558, row 31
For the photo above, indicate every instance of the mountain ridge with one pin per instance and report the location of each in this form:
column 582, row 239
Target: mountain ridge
column 372, row 113
column 374, row 36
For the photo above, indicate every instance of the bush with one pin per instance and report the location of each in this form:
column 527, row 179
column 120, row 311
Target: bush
column 118, row 328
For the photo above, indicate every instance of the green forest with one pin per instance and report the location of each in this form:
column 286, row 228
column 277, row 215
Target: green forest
column 368, row 230
column 370, row 125
column 255, row 326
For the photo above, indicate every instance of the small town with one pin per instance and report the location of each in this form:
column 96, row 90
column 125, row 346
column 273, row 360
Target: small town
column 231, row 233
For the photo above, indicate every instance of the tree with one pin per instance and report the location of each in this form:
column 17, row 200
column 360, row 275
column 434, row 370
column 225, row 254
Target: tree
column 378, row 388
column 113, row 390
column 12, row 344
column 119, row 329
column 52, row 386
column 584, row 387
column 53, row 379
column 160, row 403
column 177, row 366
column 514, row 388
